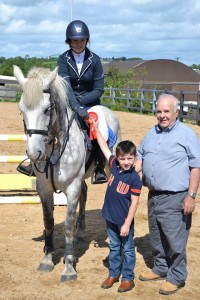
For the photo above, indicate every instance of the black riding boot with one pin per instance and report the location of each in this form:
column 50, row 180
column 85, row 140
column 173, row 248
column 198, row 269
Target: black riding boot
column 26, row 170
column 99, row 175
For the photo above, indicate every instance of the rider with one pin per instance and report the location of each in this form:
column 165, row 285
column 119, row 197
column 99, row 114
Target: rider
column 82, row 69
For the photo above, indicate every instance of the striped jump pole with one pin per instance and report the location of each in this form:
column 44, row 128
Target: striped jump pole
column 13, row 137
column 20, row 181
column 19, row 199
column 59, row 199
column 13, row 158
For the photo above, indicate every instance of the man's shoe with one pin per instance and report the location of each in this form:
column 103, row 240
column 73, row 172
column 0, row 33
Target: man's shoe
column 168, row 288
column 150, row 276
column 126, row 286
column 108, row 283
column 99, row 175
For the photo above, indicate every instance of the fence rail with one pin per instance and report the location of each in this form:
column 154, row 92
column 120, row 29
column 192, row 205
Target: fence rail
column 144, row 101
column 133, row 100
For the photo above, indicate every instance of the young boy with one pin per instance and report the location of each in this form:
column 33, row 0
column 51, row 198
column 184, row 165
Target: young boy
column 120, row 204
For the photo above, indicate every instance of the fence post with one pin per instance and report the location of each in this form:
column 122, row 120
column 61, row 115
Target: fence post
column 154, row 102
column 113, row 96
column 198, row 109
column 141, row 101
column 128, row 99
column 181, row 106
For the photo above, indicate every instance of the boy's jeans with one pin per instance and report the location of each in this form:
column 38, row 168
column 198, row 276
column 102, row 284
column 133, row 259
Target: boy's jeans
column 122, row 252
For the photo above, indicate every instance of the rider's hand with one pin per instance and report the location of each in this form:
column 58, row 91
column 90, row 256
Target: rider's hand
column 82, row 112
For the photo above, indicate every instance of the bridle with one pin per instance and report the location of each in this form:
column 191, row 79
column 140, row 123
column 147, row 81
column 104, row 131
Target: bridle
column 53, row 140
column 49, row 127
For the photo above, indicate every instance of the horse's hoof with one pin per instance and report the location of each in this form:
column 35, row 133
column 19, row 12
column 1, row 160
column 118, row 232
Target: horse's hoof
column 45, row 267
column 64, row 278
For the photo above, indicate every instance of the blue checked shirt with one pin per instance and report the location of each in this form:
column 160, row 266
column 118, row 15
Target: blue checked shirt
column 167, row 157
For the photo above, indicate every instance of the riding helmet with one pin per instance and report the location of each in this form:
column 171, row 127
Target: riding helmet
column 77, row 30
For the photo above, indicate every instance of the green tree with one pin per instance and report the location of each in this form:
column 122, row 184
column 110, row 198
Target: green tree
column 2, row 59
column 118, row 79
column 25, row 64
column 123, row 83
column 195, row 66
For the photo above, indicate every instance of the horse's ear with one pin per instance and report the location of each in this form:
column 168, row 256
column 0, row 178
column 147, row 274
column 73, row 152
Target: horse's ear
column 19, row 75
column 51, row 77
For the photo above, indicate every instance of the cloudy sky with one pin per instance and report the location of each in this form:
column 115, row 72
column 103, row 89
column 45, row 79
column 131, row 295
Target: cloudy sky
column 149, row 29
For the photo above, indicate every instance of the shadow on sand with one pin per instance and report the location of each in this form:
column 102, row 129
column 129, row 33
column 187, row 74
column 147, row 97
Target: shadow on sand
column 95, row 233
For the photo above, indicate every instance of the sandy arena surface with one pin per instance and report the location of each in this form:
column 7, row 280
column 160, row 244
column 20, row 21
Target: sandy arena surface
column 21, row 229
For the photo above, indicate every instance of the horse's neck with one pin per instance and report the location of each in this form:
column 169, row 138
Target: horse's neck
column 66, row 124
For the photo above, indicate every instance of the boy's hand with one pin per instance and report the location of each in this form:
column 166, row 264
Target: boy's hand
column 95, row 124
column 101, row 141
column 124, row 230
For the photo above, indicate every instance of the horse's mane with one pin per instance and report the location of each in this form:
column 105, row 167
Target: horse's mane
column 33, row 88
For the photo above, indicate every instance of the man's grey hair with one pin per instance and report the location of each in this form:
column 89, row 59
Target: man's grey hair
column 176, row 101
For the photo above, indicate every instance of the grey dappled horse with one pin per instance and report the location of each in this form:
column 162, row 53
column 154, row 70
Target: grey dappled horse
column 57, row 149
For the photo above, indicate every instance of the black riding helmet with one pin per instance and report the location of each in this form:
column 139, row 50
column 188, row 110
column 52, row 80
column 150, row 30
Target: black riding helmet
column 77, row 30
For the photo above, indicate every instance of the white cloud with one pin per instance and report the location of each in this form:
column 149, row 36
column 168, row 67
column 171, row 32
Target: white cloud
column 134, row 28
column 6, row 13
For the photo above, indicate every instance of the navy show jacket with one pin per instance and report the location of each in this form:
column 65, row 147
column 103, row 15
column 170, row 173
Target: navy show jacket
column 88, row 86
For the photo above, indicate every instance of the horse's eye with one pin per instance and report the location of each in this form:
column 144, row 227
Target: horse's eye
column 47, row 111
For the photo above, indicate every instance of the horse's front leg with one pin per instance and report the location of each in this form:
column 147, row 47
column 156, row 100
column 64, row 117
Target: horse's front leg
column 47, row 265
column 81, row 215
column 73, row 193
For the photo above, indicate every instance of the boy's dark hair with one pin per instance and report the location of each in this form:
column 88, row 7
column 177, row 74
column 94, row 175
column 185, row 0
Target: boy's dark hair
column 125, row 147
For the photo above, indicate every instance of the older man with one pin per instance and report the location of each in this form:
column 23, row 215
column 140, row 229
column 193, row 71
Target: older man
column 169, row 157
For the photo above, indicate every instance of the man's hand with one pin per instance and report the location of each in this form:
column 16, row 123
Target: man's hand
column 188, row 205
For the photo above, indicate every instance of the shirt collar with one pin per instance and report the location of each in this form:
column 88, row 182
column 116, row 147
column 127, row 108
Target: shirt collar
column 159, row 129
column 125, row 171
column 79, row 56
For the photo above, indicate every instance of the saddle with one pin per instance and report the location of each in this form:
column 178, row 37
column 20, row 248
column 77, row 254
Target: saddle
column 85, row 127
column 95, row 154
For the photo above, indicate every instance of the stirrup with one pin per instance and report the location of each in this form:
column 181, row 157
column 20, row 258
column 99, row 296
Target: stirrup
column 98, row 176
column 26, row 170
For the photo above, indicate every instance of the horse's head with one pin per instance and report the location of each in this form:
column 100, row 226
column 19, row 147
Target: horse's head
column 39, row 108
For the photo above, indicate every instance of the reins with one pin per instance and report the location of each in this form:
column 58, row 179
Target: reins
column 49, row 163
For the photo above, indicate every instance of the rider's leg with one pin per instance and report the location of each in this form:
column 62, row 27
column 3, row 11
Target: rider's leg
column 99, row 173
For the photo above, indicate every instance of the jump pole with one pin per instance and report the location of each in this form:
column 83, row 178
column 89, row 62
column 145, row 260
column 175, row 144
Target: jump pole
column 59, row 199
column 13, row 158
column 13, row 137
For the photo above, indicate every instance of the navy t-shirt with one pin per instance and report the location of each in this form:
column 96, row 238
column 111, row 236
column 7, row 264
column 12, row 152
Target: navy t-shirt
column 121, row 185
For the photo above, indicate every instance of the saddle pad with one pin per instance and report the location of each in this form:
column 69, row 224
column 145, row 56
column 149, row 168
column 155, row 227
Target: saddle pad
column 111, row 137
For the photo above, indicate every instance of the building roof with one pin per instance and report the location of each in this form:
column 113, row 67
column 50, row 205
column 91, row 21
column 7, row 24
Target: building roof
column 157, row 70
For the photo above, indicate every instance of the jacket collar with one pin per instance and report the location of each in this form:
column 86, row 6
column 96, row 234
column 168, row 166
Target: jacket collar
column 86, row 63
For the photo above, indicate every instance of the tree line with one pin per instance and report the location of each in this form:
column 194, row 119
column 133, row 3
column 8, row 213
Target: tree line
column 114, row 78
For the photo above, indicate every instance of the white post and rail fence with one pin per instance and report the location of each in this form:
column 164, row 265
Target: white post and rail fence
column 133, row 100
